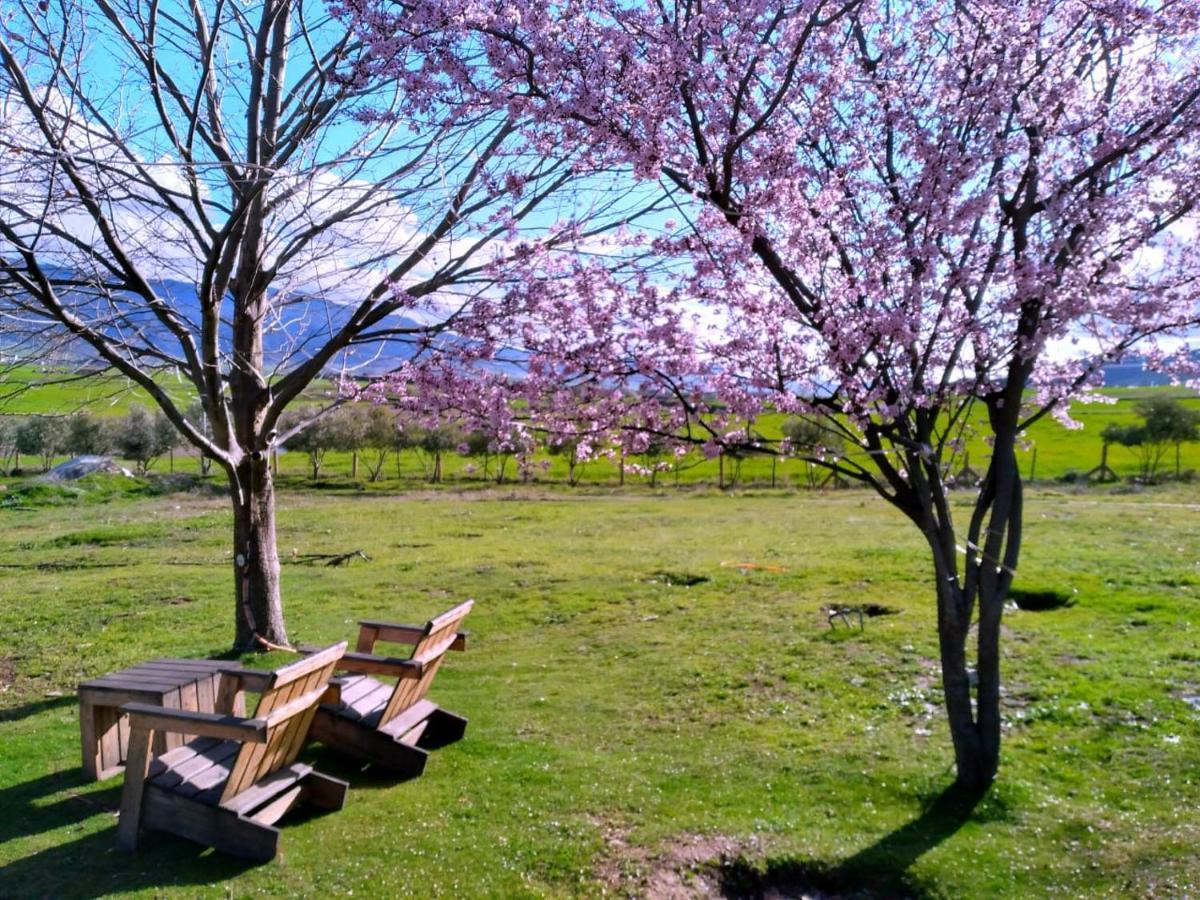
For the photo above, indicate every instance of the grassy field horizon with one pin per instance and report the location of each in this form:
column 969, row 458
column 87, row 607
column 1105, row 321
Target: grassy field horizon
column 1050, row 451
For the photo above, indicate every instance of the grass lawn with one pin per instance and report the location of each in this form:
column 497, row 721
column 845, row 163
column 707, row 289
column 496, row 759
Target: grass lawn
column 630, row 734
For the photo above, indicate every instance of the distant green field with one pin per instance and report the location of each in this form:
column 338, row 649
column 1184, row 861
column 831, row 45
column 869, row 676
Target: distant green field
column 32, row 390
column 1051, row 451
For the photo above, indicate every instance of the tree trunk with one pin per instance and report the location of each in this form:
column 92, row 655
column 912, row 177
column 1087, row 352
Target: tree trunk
column 256, row 559
column 976, row 747
column 972, row 697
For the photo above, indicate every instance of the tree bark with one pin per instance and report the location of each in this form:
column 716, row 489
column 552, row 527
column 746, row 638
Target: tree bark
column 972, row 696
column 259, row 613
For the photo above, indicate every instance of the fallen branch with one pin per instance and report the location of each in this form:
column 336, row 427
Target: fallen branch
column 330, row 559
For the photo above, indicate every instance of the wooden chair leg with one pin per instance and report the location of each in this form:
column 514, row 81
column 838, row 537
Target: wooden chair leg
column 137, row 766
column 88, row 738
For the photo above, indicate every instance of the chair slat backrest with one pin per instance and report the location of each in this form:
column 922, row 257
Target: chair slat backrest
column 298, row 687
column 440, row 633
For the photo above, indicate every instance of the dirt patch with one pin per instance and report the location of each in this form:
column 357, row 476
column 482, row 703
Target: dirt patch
column 703, row 866
column 8, row 673
column 686, row 868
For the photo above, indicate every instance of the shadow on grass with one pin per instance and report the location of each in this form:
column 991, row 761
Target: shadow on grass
column 89, row 864
column 880, row 870
column 362, row 776
column 35, row 707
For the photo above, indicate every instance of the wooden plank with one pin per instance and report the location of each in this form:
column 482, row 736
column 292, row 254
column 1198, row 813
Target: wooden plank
column 150, row 682
column 166, row 738
column 188, row 768
column 394, row 633
column 207, row 784
column 131, row 794
column 180, row 755
column 450, row 616
column 367, row 744
column 355, row 687
column 409, row 718
column 109, row 731
column 123, row 737
column 366, row 705
column 302, row 667
column 246, row 768
column 432, row 650
column 251, row 679
column 281, row 714
column 206, row 693
column 367, row 636
column 282, row 699
column 277, row 808
column 300, row 724
column 210, row 825
column 409, row 693
column 366, row 664
column 324, row 791
column 89, row 741
column 414, row 734
column 230, row 699
column 306, row 676
column 252, row 798
column 286, row 719
column 119, row 697
column 181, row 671
column 207, row 724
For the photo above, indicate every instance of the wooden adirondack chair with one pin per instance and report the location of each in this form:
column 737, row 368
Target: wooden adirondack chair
column 393, row 725
column 228, row 786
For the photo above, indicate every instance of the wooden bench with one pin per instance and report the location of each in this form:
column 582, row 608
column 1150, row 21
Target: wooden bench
column 187, row 684
column 228, row 787
column 392, row 724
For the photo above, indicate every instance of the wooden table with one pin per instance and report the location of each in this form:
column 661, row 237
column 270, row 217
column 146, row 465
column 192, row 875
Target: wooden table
column 190, row 684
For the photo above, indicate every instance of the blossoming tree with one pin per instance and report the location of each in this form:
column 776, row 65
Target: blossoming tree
column 897, row 212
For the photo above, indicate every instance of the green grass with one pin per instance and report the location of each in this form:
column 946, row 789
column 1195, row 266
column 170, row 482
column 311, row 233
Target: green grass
column 41, row 389
column 637, row 704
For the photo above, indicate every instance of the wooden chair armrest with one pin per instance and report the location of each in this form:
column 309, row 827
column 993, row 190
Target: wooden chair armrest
column 367, row 664
column 395, row 633
column 249, row 679
column 184, row 721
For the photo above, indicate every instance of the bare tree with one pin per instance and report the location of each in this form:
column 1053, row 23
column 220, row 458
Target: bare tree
column 220, row 191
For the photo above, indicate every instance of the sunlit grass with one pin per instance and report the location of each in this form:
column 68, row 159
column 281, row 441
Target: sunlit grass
column 617, row 712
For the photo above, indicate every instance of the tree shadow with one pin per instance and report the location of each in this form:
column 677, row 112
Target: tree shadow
column 34, row 707
column 881, row 870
